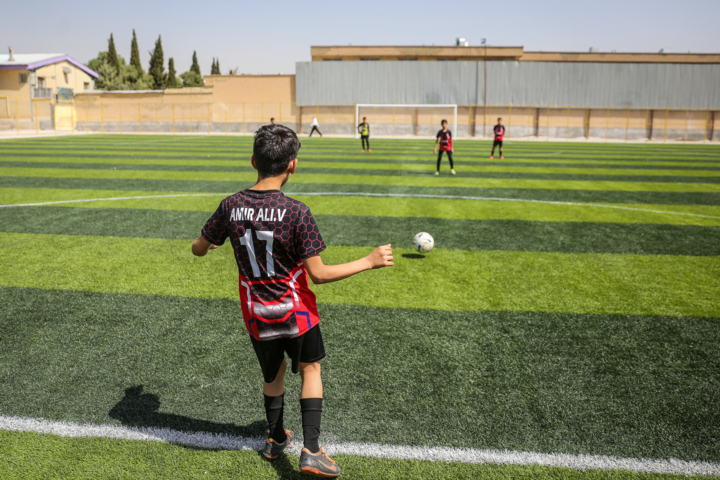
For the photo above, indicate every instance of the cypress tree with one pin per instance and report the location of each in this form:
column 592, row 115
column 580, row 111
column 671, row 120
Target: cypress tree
column 112, row 56
column 217, row 66
column 212, row 68
column 172, row 74
column 157, row 70
column 135, row 56
column 195, row 67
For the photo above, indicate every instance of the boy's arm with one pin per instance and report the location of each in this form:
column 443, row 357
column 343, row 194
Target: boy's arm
column 436, row 142
column 321, row 273
column 201, row 246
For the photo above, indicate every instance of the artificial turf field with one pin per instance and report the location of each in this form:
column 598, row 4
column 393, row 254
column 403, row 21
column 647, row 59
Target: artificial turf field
column 571, row 305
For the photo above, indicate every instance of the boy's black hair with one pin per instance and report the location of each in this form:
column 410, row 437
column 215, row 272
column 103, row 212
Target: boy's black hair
column 274, row 148
column 443, row 121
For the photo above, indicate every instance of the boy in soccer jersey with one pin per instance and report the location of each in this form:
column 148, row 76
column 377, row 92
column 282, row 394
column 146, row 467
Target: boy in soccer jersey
column 277, row 245
column 499, row 131
column 444, row 138
column 364, row 130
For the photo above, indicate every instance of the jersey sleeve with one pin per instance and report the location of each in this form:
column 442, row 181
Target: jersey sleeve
column 439, row 134
column 216, row 229
column 308, row 241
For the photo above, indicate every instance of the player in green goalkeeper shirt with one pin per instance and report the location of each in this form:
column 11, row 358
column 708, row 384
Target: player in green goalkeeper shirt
column 364, row 130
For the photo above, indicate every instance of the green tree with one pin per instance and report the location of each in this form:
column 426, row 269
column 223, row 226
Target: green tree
column 157, row 69
column 135, row 55
column 217, row 66
column 192, row 79
column 112, row 56
column 108, row 78
column 195, row 66
column 172, row 81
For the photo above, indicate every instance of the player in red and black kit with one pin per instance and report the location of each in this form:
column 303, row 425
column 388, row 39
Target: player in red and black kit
column 499, row 131
column 276, row 244
column 444, row 138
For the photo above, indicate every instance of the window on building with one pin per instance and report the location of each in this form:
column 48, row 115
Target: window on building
column 23, row 77
column 332, row 59
column 86, row 86
column 41, row 82
column 447, row 59
column 369, row 59
column 408, row 59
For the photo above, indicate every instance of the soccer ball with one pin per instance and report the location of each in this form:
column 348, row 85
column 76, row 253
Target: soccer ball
column 423, row 242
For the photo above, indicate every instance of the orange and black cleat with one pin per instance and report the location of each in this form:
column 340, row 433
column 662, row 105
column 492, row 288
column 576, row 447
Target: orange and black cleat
column 273, row 449
column 318, row 464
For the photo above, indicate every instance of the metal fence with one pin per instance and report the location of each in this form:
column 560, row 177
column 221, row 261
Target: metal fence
column 592, row 123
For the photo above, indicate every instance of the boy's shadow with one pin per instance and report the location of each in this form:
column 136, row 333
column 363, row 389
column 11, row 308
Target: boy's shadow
column 138, row 409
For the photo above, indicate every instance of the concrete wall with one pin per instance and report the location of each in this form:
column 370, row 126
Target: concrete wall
column 509, row 83
column 252, row 88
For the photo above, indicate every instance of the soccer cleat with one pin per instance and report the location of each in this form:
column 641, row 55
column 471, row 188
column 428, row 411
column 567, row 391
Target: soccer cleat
column 437, row 173
column 369, row 150
column 491, row 156
column 452, row 170
column 318, row 464
column 502, row 158
column 363, row 150
column 273, row 449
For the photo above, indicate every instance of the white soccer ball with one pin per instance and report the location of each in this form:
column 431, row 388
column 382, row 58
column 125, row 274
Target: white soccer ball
column 423, row 242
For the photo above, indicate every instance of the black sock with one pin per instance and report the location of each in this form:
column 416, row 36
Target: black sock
column 311, row 409
column 274, row 407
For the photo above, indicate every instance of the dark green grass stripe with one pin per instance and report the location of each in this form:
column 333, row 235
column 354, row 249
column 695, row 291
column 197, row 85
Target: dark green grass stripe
column 400, row 160
column 590, row 196
column 377, row 172
column 515, row 235
column 629, row 386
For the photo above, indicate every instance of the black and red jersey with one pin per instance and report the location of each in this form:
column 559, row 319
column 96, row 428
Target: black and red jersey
column 499, row 131
column 270, row 234
column 445, row 138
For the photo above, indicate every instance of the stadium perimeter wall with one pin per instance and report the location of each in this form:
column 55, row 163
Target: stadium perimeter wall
column 510, row 83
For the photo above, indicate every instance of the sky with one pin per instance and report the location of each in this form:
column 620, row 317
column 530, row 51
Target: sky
column 269, row 37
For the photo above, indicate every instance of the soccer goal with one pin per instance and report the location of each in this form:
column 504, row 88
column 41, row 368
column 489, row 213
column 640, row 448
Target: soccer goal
column 403, row 120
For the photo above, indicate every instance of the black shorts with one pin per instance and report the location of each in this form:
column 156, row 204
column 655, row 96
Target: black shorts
column 306, row 348
column 497, row 143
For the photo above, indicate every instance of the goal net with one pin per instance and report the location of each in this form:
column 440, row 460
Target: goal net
column 405, row 121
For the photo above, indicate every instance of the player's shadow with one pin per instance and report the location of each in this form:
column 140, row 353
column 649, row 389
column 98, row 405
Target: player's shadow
column 413, row 256
column 138, row 409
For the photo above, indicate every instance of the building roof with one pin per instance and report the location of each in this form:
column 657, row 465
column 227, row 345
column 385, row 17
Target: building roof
column 475, row 53
column 31, row 61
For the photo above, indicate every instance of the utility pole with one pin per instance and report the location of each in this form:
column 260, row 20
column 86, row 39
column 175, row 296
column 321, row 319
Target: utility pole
column 484, row 42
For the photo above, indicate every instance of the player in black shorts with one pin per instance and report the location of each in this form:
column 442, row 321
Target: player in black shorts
column 364, row 130
column 444, row 138
column 277, row 244
column 499, row 131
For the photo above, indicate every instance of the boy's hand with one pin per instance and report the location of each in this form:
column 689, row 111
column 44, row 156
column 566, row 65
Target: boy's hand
column 381, row 257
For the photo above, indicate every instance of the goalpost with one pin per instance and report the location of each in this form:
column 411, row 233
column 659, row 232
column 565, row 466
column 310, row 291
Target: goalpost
column 405, row 120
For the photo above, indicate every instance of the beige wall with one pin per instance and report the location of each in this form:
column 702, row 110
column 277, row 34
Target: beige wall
column 10, row 85
column 252, row 88
column 169, row 96
column 55, row 78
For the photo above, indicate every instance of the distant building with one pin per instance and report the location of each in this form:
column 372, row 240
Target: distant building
column 41, row 75
column 479, row 53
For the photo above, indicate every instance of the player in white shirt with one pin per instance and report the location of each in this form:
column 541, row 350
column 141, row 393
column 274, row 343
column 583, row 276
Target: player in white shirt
column 315, row 126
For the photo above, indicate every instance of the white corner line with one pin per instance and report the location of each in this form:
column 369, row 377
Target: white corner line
column 437, row 454
column 368, row 194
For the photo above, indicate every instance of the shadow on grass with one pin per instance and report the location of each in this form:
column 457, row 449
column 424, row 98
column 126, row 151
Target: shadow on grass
column 413, row 256
column 138, row 409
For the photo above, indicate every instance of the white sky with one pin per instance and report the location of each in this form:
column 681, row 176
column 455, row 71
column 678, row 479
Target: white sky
column 269, row 37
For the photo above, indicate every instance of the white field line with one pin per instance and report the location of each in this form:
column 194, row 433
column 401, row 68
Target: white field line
column 437, row 454
column 385, row 195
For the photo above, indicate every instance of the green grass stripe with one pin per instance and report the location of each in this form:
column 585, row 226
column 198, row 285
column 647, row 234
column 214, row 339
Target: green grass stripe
column 31, row 455
column 389, row 207
column 418, row 181
column 515, row 281
column 588, row 196
column 628, row 386
column 512, row 235
column 401, row 157
column 244, row 165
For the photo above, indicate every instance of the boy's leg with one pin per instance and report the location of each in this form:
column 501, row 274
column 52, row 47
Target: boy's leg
column 275, row 404
column 311, row 404
column 449, row 154
column 367, row 140
column 500, row 148
column 439, row 159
